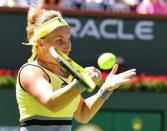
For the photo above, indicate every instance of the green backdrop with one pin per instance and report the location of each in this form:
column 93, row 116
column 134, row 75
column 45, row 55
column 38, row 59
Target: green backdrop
column 141, row 42
column 126, row 121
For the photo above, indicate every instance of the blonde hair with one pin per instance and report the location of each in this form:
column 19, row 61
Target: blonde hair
column 35, row 18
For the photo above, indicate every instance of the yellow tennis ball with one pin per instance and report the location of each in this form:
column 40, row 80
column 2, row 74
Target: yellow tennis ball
column 106, row 61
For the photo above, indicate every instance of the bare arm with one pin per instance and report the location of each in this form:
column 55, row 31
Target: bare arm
column 35, row 82
column 88, row 107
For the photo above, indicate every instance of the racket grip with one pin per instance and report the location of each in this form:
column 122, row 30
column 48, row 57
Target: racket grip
column 79, row 85
column 100, row 83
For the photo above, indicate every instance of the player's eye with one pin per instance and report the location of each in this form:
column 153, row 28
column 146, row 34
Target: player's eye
column 59, row 42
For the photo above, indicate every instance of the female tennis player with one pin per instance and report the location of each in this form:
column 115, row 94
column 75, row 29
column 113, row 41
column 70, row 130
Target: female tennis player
column 48, row 97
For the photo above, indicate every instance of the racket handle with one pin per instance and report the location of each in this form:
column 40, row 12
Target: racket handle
column 100, row 83
column 81, row 87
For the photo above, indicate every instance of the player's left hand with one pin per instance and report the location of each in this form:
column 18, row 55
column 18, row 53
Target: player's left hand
column 95, row 74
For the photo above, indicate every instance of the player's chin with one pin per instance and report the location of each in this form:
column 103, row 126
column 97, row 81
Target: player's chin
column 66, row 52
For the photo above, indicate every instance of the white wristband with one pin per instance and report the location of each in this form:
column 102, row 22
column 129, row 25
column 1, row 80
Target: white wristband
column 104, row 93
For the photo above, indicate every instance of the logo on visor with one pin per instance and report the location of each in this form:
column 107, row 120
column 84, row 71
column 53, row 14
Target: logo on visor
column 60, row 20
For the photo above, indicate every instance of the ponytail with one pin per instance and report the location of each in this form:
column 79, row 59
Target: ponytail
column 32, row 18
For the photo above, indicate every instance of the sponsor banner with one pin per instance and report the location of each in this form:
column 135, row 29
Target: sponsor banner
column 141, row 42
column 116, row 29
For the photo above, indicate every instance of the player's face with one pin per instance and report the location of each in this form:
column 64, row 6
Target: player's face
column 60, row 39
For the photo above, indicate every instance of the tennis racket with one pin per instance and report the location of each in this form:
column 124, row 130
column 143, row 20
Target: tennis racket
column 73, row 68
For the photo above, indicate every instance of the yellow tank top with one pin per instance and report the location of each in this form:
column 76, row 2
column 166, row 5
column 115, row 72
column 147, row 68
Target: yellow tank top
column 28, row 106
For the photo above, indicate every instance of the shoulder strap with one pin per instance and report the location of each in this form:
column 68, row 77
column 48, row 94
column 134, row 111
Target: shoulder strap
column 27, row 64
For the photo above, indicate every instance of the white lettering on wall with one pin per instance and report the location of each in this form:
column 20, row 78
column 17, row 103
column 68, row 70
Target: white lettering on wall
column 89, row 29
column 142, row 30
column 75, row 26
column 121, row 33
column 104, row 24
